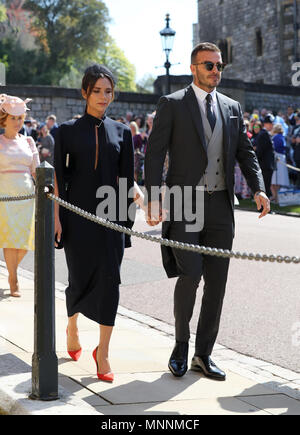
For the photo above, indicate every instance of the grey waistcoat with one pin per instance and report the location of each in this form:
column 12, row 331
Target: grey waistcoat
column 214, row 176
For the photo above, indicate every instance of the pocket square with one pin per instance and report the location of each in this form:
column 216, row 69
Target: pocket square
column 233, row 117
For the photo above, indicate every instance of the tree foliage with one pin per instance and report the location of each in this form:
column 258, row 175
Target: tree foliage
column 69, row 36
column 114, row 58
column 2, row 13
column 145, row 84
column 111, row 56
column 67, row 32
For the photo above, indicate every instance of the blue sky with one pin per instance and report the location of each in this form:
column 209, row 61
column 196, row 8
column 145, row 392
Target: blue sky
column 136, row 25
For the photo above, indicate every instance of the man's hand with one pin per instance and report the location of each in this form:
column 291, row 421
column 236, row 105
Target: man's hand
column 155, row 214
column 262, row 201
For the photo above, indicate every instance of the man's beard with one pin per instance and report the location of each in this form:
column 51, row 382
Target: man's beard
column 207, row 84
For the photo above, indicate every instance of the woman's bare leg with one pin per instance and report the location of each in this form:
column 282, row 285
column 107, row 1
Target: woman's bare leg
column 103, row 349
column 73, row 342
column 274, row 189
column 11, row 260
column 21, row 254
column 276, row 193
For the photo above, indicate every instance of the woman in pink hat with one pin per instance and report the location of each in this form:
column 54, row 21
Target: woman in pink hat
column 18, row 161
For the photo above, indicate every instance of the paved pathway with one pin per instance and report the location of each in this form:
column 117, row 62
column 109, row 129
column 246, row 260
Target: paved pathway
column 140, row 349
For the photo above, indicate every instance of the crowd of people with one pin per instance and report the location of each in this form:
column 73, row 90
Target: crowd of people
column 43, row 133
column 276, row 140
column 274, row 136
column 141, row 127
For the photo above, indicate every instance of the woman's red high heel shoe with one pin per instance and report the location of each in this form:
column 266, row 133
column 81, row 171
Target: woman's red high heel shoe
column 108, row 377
column 74, row 354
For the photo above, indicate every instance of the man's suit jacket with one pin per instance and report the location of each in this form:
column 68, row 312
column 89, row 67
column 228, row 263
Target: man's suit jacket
column 178, row 128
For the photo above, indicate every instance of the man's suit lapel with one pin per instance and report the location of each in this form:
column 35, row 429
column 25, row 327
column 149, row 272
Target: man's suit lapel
column 193, row 106
column 225, row 112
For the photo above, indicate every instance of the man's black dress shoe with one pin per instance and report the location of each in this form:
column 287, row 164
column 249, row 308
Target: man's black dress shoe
column 179, row 358
column 205, row 365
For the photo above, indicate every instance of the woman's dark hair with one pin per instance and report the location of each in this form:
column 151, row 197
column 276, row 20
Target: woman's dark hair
column 94, row 73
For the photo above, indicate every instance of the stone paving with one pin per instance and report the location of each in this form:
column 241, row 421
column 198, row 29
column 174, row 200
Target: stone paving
column 140, row 349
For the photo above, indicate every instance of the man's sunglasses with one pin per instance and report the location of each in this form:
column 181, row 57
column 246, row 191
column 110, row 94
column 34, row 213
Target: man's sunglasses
column 210, row 65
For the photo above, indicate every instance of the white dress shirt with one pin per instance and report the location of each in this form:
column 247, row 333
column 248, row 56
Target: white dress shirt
column 201, row 98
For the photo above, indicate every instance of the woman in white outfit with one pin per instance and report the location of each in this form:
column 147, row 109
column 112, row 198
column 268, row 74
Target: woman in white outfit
column 280, row 177
column 18, row 161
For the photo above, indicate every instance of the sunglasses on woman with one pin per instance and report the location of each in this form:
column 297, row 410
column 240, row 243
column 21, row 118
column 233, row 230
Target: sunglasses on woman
column 210, row 65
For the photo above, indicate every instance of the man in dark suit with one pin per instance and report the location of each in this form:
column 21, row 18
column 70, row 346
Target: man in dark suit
column 265, row 152
column 204, row 133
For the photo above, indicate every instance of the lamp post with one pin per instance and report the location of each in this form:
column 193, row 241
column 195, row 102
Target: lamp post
column 167, row 38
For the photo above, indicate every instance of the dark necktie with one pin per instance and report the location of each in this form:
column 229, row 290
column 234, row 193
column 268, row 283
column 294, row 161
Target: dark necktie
column 210, row 113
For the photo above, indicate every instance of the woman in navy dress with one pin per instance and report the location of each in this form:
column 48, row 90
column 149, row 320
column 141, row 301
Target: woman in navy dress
column 91, row 152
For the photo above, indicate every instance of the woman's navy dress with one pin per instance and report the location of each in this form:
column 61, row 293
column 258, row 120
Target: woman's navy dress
column 93, row 252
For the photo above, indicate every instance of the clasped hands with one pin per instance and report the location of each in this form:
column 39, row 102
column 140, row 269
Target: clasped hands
column 155, row 213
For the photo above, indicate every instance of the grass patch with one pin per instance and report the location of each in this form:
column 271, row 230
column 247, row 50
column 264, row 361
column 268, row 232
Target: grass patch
column 249, row 204
column 2, row 412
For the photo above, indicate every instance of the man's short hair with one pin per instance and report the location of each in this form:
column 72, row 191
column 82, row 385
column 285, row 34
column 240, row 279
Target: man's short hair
column 203, row 46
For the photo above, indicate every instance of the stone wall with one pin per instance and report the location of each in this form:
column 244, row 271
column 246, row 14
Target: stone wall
column 260, row 38
column 258, row 96
column 66, row 103
column 250, row 95
column 276, row 98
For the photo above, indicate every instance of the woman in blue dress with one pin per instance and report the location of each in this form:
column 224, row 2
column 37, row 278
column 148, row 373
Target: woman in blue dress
column 92, row 152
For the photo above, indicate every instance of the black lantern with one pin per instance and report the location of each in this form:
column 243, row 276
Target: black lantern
column 167, row 37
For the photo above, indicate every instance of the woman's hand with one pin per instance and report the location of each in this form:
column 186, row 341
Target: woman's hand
column 57, row 230
column 45, row 152
column 155, row 213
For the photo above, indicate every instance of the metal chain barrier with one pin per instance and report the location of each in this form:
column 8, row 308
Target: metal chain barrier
column 224, row 253
column 287, row 165
column 16, row 198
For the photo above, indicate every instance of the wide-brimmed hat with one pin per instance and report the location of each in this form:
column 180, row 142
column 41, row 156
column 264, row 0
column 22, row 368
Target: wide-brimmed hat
column 13, row 105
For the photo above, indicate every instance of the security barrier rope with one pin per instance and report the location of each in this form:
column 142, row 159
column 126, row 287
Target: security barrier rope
column 287, row 165
column 224, row 253
column 16, row 198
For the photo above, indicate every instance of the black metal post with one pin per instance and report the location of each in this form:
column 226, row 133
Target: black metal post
column 167, row 35
column 44, row 359
column 168, row 66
